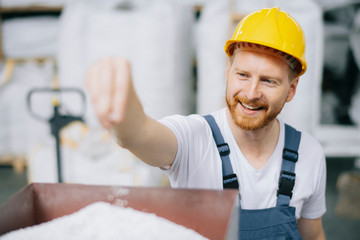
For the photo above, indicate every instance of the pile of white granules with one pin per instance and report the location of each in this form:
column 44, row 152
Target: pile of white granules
column 102, row 220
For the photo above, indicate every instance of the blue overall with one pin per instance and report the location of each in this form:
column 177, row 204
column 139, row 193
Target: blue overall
column 274, row 223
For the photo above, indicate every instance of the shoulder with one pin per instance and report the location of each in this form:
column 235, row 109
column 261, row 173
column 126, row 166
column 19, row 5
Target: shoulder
column 308, row 144
column 311, row 153
column 309, row 189
column 310, row 147
column 181, row 122
column 187, row 129
column 311, row 165
column 193, row 121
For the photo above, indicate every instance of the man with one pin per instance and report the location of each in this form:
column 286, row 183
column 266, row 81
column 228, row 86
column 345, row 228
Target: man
column 243, row 148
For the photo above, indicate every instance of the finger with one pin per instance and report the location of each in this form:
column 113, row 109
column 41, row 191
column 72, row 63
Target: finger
column 104, row 103
column 92, row 86
column 122, row 83
column 98, row 83
column 90, row 81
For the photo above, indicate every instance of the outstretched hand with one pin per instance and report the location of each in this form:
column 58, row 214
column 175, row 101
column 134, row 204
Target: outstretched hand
column 119, row 110
column 109, row 83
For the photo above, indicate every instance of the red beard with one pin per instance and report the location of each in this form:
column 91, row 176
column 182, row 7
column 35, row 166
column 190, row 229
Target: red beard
column 252, row 122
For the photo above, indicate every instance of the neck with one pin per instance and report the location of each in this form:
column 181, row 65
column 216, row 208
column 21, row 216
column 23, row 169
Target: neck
column 256, row 145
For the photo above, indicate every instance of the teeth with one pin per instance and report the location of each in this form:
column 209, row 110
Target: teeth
column 249, row 107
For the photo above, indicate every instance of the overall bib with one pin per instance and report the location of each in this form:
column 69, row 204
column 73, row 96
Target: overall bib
column 274, row 223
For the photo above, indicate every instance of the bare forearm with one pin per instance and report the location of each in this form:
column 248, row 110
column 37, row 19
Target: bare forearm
column 157, row 146
column 311, row 229
column 148, row 139
column 127, row 122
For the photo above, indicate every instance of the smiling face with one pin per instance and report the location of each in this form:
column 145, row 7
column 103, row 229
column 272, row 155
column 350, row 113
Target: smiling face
column 257, row 88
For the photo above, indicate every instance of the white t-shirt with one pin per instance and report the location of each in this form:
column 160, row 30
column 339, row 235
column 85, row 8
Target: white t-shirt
column 198, row 165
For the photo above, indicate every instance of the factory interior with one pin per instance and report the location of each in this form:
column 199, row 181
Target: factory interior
column 49, row 132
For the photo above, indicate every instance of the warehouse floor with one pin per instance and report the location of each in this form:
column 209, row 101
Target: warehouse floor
column 335, row 227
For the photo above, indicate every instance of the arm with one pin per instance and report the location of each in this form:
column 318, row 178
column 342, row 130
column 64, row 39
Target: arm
column 118, row 108
column 311, row 229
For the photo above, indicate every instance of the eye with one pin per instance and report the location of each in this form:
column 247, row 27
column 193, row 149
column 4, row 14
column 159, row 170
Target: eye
column 268, row 81
column 242, row 75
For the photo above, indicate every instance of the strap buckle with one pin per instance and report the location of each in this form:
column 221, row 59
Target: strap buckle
column 286, row 183
column 230, row 182
column 224, row 149
column 290, row 155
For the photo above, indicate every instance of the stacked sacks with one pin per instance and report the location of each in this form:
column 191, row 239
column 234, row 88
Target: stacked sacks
column 25, row 38
column 156, row 37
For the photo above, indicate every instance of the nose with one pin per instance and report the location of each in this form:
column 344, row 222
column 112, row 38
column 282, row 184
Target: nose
column 253, row 90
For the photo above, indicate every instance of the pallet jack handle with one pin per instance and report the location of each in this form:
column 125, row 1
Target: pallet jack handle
column 58, row 120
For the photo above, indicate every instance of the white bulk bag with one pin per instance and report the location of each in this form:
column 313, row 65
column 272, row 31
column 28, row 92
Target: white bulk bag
column 212, row 31
column 30, row 37
column 155, row 36
column 19, row 131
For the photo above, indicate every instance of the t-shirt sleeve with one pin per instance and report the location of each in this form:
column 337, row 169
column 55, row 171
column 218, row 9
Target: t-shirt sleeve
column 185, row 129
column 315, row 206
column 176, row 124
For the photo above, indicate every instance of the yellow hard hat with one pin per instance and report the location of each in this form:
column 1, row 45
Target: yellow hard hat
column 271, row 27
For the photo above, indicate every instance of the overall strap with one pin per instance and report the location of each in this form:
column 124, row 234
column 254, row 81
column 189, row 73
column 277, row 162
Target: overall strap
column 229, row 177
column 287, row 174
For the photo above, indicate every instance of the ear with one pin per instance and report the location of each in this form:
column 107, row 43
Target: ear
column 292, row 89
